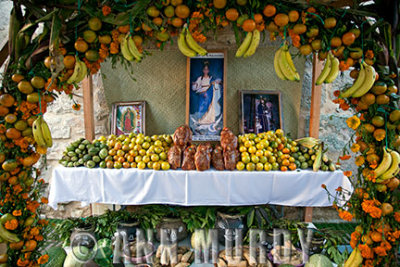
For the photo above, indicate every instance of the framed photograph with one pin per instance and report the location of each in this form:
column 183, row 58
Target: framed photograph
column 128, row 117
column 205, row 95
column 261, row 111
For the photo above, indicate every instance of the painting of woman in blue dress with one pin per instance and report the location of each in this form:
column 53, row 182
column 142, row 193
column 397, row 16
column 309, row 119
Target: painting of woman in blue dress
column 206, row 97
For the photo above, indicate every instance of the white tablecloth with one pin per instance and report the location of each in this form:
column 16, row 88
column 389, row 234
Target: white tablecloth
column 192, row 188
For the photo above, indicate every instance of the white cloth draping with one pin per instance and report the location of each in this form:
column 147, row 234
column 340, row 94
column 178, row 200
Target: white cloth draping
column 193, row 188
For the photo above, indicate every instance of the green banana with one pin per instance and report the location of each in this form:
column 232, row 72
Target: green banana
column 356, row 85
column 125, row 50
column 8, row 236
column 393, row 167
column 77, row 71
column 285, row 67
column 194, row 45
column 245, row 45
column 277, row 68
column 255, row 42
column 183, row 47
column 291, row 64
column 37, row 132
column 46, row 133
column 325, row 71
column 318, row 159
column 369, row 81
column 334, row 72
column 133, row 49
column 385, row 163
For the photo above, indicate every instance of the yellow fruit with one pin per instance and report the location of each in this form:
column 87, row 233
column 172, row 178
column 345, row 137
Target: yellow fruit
column 17, row 77
column 299, row 29
column 250, row 166
column 153, row 12
column 240, row 166
column 10, row 118
column 386, row 209
column 379, row 88
column 21, row 125
column 25, row 87
column 305, row 49
column 219, row 4
column 330, row 23
column 89, row 36
column 165, row 166
column 105, row 39
column 394, row 115
column 92, row 55
column 81, row 46
column 38, row 82
column 169, row 11
column 378, row 121
column 94, row 24
column 33, row 98
column 316, row 44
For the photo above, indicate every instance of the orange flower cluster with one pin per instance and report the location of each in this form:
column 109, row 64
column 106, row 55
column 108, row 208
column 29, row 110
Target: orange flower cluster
column 43, row 259
column 103, row 51
column 342, row 103
column 370, row 207
column 366, row 251
column 295, row 38
column 355, row 237
column 23, row 143
column 11, row 224
column 28, row 109
column 345, row 215
column 397, row 216
column 94, row 67
column 32, row 206
column 199, row 37
column 106, row 10
column 114, row 46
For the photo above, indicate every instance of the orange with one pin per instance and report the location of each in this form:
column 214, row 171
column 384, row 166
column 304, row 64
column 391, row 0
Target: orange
column 371, row 158
column 249, row 25
column 123, row 29
column 354, row 73
column 269, row 10
column 16, row 245
column 219, row 4
column 368, row 99
column 260, row 27
column 386, row 209
column 176, row 2
column 299, row 28
column 281, row 19
column 94, row 24
column 394, row 115
column 348, row 38
column 41, row 150
column 376, row 237
column 369, row 127
column 152, row 11
column 7, row 100
column 169, row 11
column 89, row 36
column 379, row 134
column 25, row 87
column 336, row 42
column 177, row 22
column 382, row 99
column 3, row 111
column 271, row 27
column 316, row 44
column 48, row 61
column 379, row 88
column 305, row 49
column 258, row 18
column 13, row 133
column 392, row 89
column 292, row 166
column 232, row 14
column 378, row 121
column 330, row 23
column 182, row 11
column 10, row 118
column 69, row 62
column 105, row 39
column 284, row 168
column 157, row 21
column 393, row 183
column 81, row 46
column 293, row 16
column 17, row 77
column 92, row 55
column 38, row 82
column 138, row 40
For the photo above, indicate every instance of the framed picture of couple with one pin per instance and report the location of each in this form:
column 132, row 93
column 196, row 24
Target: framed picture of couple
column 205, row 95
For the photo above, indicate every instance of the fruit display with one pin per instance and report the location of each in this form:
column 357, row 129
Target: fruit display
column 275, row 151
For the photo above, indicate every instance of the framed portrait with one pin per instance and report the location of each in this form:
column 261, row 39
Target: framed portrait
column 260, row 111
column 205, row 95
column 128, row 117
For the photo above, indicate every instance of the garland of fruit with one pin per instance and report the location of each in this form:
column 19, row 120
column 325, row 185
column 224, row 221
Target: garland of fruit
column 75, row 37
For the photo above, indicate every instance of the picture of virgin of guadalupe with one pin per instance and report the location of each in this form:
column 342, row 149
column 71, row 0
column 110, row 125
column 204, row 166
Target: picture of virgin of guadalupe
column 127, row 120
column 206, row 111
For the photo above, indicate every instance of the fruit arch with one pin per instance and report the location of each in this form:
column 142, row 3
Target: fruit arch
column 54, row 45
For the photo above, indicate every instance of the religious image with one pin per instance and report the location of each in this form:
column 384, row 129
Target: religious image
column 128, row 117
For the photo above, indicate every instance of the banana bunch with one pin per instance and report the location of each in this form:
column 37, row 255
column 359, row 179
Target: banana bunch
column 389, row 166
column 355, row 259
column 308, row 142
column 188, row 46
column 249, row 44
column 41, row 133
column 80, row 72
column 362, row 84
column 284, row 66
column 330, row 71
column 129, row 49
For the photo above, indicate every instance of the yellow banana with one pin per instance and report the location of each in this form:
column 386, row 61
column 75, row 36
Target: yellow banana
column 255, row 42
column 8, row 236
column 355, row 259
column 76, row 73
column 334, row 72
column 356, row 85
column 325, row 71
column 194, row 45
column 46, row 133
column 277, row 68
column 286, row 69
column 385, row 163
column 393, row 167
column 245, row 45
column 183, row 47
column 37, row 132
column 83, row 71
column 291, row 64
column 133, row 49
column 125, row 50
column 369, row 80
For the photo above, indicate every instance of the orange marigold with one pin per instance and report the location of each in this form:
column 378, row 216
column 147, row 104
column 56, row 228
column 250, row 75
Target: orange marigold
column 44, row 200
column 43, row 259
column 76, row 107
column 369, row 54
column 22, row 263
column 17, row 213
column 345, row 157
column 360, row 160
column 345, row 215
column 106, row 10
column 11, row 224
column 366, row 251
column 353, row 122
column 397, row 216
column 380, row 251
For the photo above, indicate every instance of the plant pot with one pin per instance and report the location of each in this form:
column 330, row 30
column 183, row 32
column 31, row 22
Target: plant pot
column 130, row 228
column 172, row 223
column 228, row 221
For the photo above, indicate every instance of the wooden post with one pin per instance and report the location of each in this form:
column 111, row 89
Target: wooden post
column 88, row 110
column 315, row 112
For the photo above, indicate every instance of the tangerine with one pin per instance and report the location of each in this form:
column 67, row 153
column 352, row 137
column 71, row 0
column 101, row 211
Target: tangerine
column 368, row 99
column 369, row 127
column 7, row 100
column 176, row 2
column 269, row 10
column 348, row 38
column 382, row 99
column 182, row 11
column 299, row 28
column 392, row 89
column 81, row 46
column 157, row 21
column 177, row 22
column 249, row 25
column 138, row 40
column 281, row 19
column 169, row 11
column 25, row 87
column 379, row 134
column 294, row 16
column 378, row 121
column 10, row 118
column 17, row 77
column 386, row 209
column 258, row 18
column 336, row 42
column 94, row 24
column 3, row 111
column 219, row 4
column 330, row 23
column 38, row 82
column 305, row 49
column 69, row 62
column 394, row 115
column 356, row 32
column 379, row 88
column 124, row 28
column 376, row 237
column 271, row 27
column 13, row 133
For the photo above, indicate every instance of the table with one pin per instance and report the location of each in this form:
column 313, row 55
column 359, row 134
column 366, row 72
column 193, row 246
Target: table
column 193, row 188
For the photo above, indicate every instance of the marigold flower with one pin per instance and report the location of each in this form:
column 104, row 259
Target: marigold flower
column 397, row 216
column 11, row 224
column 106, row 10
column 380, row 251
column 345, row 157
column 360, row 160
column 44, row 200
column 39, row 238
column 336, row 93
column 353, row 122
column 366, row 251
column 355, row 147
column 34, row 231
column 345, row 215
column 369, row 54
column 348, row 173
column 17, row 213
column 76, row 106
column 22, row 263
column 43, row 259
